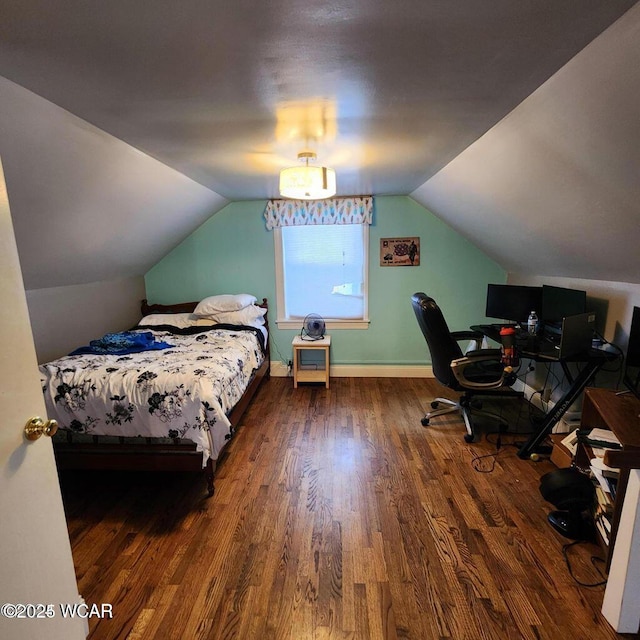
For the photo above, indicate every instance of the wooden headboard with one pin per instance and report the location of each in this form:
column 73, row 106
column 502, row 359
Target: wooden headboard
column 188, row 307
column 180, row 307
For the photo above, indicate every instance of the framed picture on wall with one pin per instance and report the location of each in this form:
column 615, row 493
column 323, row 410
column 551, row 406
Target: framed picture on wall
column 399, row 252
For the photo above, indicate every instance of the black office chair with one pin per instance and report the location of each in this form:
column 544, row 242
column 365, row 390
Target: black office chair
column 477, row 373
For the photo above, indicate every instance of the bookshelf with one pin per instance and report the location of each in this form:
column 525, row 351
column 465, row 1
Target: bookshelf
column 606, row 409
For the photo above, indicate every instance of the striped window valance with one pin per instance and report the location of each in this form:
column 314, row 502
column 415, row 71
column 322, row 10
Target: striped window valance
column 288, row 213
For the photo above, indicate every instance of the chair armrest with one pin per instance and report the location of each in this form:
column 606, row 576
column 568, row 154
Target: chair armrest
column 474, row 358
column 467, row 335
column 484, row 354
column 472, row 336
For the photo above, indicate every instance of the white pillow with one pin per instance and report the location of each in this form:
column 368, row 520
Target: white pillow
column 252, row 315
column 226, row 302
column 180, row 320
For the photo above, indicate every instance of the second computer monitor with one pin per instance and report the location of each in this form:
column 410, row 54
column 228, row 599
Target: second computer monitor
column 559, row 303
column 632, row 362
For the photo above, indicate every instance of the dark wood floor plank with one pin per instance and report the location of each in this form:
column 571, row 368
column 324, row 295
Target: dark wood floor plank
column 336, row 515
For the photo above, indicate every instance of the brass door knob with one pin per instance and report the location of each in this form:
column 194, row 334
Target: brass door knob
column 37, row 426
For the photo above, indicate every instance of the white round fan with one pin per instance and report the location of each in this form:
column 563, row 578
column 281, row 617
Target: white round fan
column 313, row 327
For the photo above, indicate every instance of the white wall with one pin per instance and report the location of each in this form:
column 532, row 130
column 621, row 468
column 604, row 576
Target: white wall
column 555, row 184
column 91, row 216
column 86, row 207
column 63, row 318
column 613, row 302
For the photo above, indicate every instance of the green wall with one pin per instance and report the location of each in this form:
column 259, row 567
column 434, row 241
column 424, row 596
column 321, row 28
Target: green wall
column 233, row 253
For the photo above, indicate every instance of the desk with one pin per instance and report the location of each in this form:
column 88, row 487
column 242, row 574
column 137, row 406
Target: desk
column 593, row 360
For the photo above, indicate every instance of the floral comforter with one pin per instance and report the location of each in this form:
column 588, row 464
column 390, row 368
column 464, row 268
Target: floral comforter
column 185, row 391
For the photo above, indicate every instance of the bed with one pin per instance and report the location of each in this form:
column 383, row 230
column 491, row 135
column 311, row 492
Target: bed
column 166, row 395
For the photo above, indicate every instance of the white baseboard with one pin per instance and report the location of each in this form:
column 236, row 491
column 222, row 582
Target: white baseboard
column 570, row 420
column 279, row 370
column 532, row 396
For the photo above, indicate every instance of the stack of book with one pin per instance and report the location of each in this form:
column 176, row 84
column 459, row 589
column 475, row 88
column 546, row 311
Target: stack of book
column 605, row 478
column 603, row 513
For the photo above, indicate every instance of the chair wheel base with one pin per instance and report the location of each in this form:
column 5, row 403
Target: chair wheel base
column 468, row 437
column 435, row 404
column 424, row 422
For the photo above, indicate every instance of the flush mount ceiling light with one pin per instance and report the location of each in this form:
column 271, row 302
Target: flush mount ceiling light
column 307, row 182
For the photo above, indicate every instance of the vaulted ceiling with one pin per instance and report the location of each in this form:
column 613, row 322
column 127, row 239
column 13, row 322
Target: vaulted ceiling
column 393, row 96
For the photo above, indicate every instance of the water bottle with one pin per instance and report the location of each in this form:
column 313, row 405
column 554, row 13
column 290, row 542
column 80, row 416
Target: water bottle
column 532, row 323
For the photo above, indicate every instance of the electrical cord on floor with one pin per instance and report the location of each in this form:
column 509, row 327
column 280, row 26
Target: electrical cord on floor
column 499, row 443
column 500, row 447
column 476, row 465
column 477, row 460
column 565, row 553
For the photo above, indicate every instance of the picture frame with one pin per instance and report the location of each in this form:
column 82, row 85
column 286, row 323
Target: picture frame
column 400, row 252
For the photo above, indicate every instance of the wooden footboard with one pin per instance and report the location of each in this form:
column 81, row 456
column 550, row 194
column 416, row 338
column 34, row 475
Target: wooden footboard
column 147, row 454
column 132, row 456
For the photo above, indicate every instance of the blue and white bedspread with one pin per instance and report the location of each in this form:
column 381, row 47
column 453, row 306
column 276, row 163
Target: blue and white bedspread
column 186, row 391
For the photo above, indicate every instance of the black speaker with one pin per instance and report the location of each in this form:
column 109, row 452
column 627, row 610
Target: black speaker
column 573, row 493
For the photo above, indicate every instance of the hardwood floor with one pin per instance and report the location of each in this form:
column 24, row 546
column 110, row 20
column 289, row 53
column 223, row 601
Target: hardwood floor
column 336, row 515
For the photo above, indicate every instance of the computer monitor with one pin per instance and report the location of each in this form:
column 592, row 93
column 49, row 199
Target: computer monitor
column 558, row 303
column 513, row 303
column 631, row 378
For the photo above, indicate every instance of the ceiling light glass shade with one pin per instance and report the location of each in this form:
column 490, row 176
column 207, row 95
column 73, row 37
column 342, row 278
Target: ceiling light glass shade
column 307, row 183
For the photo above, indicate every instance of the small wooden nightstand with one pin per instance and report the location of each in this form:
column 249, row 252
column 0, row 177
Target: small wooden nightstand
column 310, row 373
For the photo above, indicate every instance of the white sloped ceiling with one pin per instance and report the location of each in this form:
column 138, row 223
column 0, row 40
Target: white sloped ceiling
column 554, row 188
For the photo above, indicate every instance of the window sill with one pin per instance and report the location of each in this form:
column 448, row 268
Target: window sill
column 330, row 324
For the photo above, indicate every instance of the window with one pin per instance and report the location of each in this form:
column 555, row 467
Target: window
column 322, row 269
